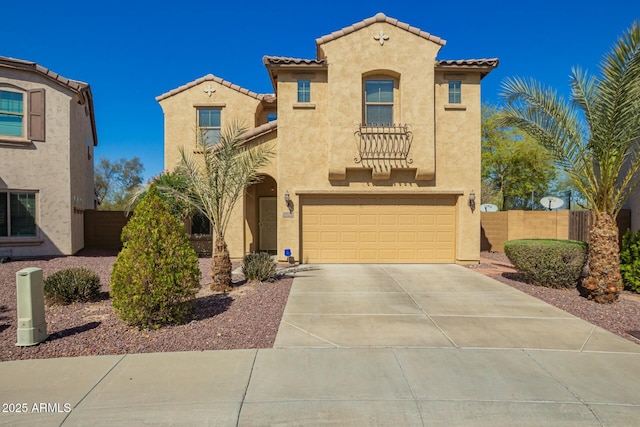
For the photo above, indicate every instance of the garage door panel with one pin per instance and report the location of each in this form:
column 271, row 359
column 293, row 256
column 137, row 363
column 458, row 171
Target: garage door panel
column 378, row 229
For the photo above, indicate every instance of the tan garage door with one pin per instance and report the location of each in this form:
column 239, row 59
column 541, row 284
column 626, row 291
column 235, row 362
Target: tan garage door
column 372, row 229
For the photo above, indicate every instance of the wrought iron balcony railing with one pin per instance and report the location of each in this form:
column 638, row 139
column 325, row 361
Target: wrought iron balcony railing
column 384, row 142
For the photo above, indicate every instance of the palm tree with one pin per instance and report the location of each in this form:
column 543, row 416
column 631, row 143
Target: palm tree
column 595, row 139
column 218, row 175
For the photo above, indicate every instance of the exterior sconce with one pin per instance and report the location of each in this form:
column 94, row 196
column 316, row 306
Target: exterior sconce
column 288, row 201
column 472, row 201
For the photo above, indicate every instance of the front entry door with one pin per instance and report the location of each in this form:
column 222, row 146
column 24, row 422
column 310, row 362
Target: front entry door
column 268, row 224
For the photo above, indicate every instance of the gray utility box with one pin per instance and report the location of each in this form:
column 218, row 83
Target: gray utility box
column 32, row 328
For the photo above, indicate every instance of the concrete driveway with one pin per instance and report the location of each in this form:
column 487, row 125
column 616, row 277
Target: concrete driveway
column 427, row 306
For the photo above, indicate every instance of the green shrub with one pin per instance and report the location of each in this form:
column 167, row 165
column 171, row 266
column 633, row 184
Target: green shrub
column 72, row 285
column 548, row 262
column 156, row 276
column 630, row 261
column 259, row 267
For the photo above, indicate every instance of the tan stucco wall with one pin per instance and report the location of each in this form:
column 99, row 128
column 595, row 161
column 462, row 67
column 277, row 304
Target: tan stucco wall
column 458, row 162
column 316, row 141
column 180, row 115
column 58, row 169
column 499, row 227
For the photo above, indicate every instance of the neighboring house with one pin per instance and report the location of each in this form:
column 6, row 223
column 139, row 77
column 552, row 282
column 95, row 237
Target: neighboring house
column 47, row 138
column 377, row 142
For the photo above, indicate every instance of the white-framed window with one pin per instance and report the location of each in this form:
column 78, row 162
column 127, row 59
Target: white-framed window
column 11, row 113
column 455, row 92
column 209, row 125
column 17, row 214
column 304, row 90
column 378, row 102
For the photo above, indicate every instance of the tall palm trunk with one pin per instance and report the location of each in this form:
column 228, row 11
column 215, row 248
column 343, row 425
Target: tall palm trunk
column 603, row 282
column 221, row 266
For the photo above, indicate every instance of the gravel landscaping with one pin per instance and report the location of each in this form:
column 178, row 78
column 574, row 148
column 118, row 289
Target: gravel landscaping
column 247, row 317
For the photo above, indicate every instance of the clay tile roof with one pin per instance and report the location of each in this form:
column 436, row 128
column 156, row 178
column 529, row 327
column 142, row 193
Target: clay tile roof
column 282, row 60
column 484, row 62
column 211, row 77
column 380, row 17
column 21, row 64
column 484, row 65
column 260, row 130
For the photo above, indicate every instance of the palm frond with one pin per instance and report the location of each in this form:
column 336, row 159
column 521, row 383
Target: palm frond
column 595, row 137
column 220, row 173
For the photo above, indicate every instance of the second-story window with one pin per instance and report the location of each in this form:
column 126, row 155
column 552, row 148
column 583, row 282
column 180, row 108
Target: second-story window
column 455, row 92
column 11, row 113
column 304, row 91
column 378, row 102
column 209, row 125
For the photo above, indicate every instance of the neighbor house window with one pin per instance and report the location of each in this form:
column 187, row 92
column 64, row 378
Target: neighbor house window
column 22, row 114
column 378, row 102
column 17, row 214
column 455, row 92
column 209, row 125
column 304, row 90
column 200, row 224
column 11, row 113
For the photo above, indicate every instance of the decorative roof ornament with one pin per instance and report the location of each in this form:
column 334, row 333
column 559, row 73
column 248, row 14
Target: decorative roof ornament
column 209, row 91
column 381, row 37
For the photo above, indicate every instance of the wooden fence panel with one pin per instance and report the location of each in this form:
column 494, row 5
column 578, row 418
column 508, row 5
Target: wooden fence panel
column 102, row 229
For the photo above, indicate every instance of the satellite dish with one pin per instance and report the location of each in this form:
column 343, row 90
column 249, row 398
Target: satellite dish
column 488, row 207
column 551, row 202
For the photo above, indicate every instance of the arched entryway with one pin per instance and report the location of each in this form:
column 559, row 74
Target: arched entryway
column 261, row 216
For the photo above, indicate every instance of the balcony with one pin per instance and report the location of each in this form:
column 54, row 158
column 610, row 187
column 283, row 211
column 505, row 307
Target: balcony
column 384, row 143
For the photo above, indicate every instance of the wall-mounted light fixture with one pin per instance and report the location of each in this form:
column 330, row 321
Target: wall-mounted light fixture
column 288, row 201
column 472, row 201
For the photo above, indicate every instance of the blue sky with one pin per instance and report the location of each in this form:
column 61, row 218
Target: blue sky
column 132, row 51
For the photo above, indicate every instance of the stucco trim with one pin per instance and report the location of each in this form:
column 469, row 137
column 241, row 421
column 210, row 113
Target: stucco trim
column 379, row 17
column 223, row 82
column 392, row 191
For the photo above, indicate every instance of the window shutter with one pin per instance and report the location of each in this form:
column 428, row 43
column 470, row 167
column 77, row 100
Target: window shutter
column 35, row 122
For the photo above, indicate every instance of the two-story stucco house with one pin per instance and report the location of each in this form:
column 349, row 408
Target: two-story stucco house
column 47, row 138
column 377, row 148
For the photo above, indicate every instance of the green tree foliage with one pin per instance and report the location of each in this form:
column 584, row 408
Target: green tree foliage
column 116, row 181
column 630, row 261
column 219, row 174
column 173, row 188
column 513, row 164
column 156, row 276
column 593, row 138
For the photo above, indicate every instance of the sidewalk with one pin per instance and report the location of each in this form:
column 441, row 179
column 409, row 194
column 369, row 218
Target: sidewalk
column 360, row 345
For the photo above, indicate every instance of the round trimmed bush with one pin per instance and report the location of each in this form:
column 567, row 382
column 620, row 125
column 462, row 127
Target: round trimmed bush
column 156, row 276
column 548, row 262
column 72, row 285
